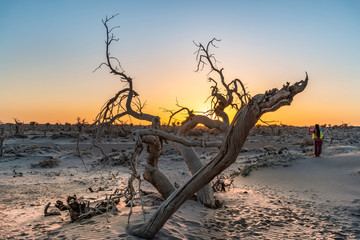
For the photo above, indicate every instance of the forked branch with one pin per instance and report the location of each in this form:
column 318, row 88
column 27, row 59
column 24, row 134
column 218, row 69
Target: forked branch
column 226, row 95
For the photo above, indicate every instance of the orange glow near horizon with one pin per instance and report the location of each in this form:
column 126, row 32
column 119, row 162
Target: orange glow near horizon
column 288, row 115
column 191, row 91
column 88, row 103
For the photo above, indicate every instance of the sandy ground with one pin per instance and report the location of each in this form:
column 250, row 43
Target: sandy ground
column 289, row 194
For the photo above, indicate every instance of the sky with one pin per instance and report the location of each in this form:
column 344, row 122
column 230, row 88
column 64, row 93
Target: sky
column 50, row 49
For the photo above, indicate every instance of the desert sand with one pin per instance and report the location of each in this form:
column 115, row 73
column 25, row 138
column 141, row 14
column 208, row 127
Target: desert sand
column 287, row 193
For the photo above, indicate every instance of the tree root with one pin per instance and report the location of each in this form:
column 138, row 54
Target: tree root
column 52, row 211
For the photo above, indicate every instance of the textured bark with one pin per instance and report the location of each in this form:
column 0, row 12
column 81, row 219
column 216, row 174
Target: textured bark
column 205, row 195
column 152, row 174
column 176, row 138
column 193, row 121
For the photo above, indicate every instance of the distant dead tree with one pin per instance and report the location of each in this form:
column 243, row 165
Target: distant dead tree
column 46, row 128
column 2, row 139
column 33, row 124
column 18, row 127
column 81, row 124
column 126, row 102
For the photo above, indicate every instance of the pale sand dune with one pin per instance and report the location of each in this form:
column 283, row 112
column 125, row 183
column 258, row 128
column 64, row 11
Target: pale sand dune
column 324, row 192
column 334, row 178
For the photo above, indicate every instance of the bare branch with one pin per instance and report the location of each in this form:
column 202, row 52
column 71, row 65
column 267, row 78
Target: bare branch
column 108, row 19
column 190, row 112
column 99, row 67
column 175, row 138
column 121, row 104
column 220, row 101
column 274, row 99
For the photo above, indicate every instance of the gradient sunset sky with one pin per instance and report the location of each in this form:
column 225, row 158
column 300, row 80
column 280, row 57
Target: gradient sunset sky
column 49, row 49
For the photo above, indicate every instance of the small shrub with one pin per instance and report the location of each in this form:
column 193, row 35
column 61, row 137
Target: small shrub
column 46, row 163
column 88, row 154
column 306, row 142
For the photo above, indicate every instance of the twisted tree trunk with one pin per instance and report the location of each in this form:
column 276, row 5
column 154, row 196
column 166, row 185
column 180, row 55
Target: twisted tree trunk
column 152, row 174
column 205, row 195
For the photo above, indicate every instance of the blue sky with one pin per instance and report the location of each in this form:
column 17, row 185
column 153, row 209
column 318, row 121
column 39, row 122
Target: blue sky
column 49, row 49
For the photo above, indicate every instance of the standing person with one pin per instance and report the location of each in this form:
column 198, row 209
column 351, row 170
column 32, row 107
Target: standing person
column 317, row 138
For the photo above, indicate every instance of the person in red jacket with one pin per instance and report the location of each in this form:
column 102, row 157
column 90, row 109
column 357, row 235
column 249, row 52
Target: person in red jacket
column 317, row 138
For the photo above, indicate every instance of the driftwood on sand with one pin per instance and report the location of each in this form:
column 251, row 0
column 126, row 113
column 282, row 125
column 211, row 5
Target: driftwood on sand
column 79, row 209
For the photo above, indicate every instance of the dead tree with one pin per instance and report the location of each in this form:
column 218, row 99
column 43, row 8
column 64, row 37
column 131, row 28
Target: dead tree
column 2, row 139
column 126, row 102
column 236, row 135
column 18, row 127
column 81, row 124
column 46, row 128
